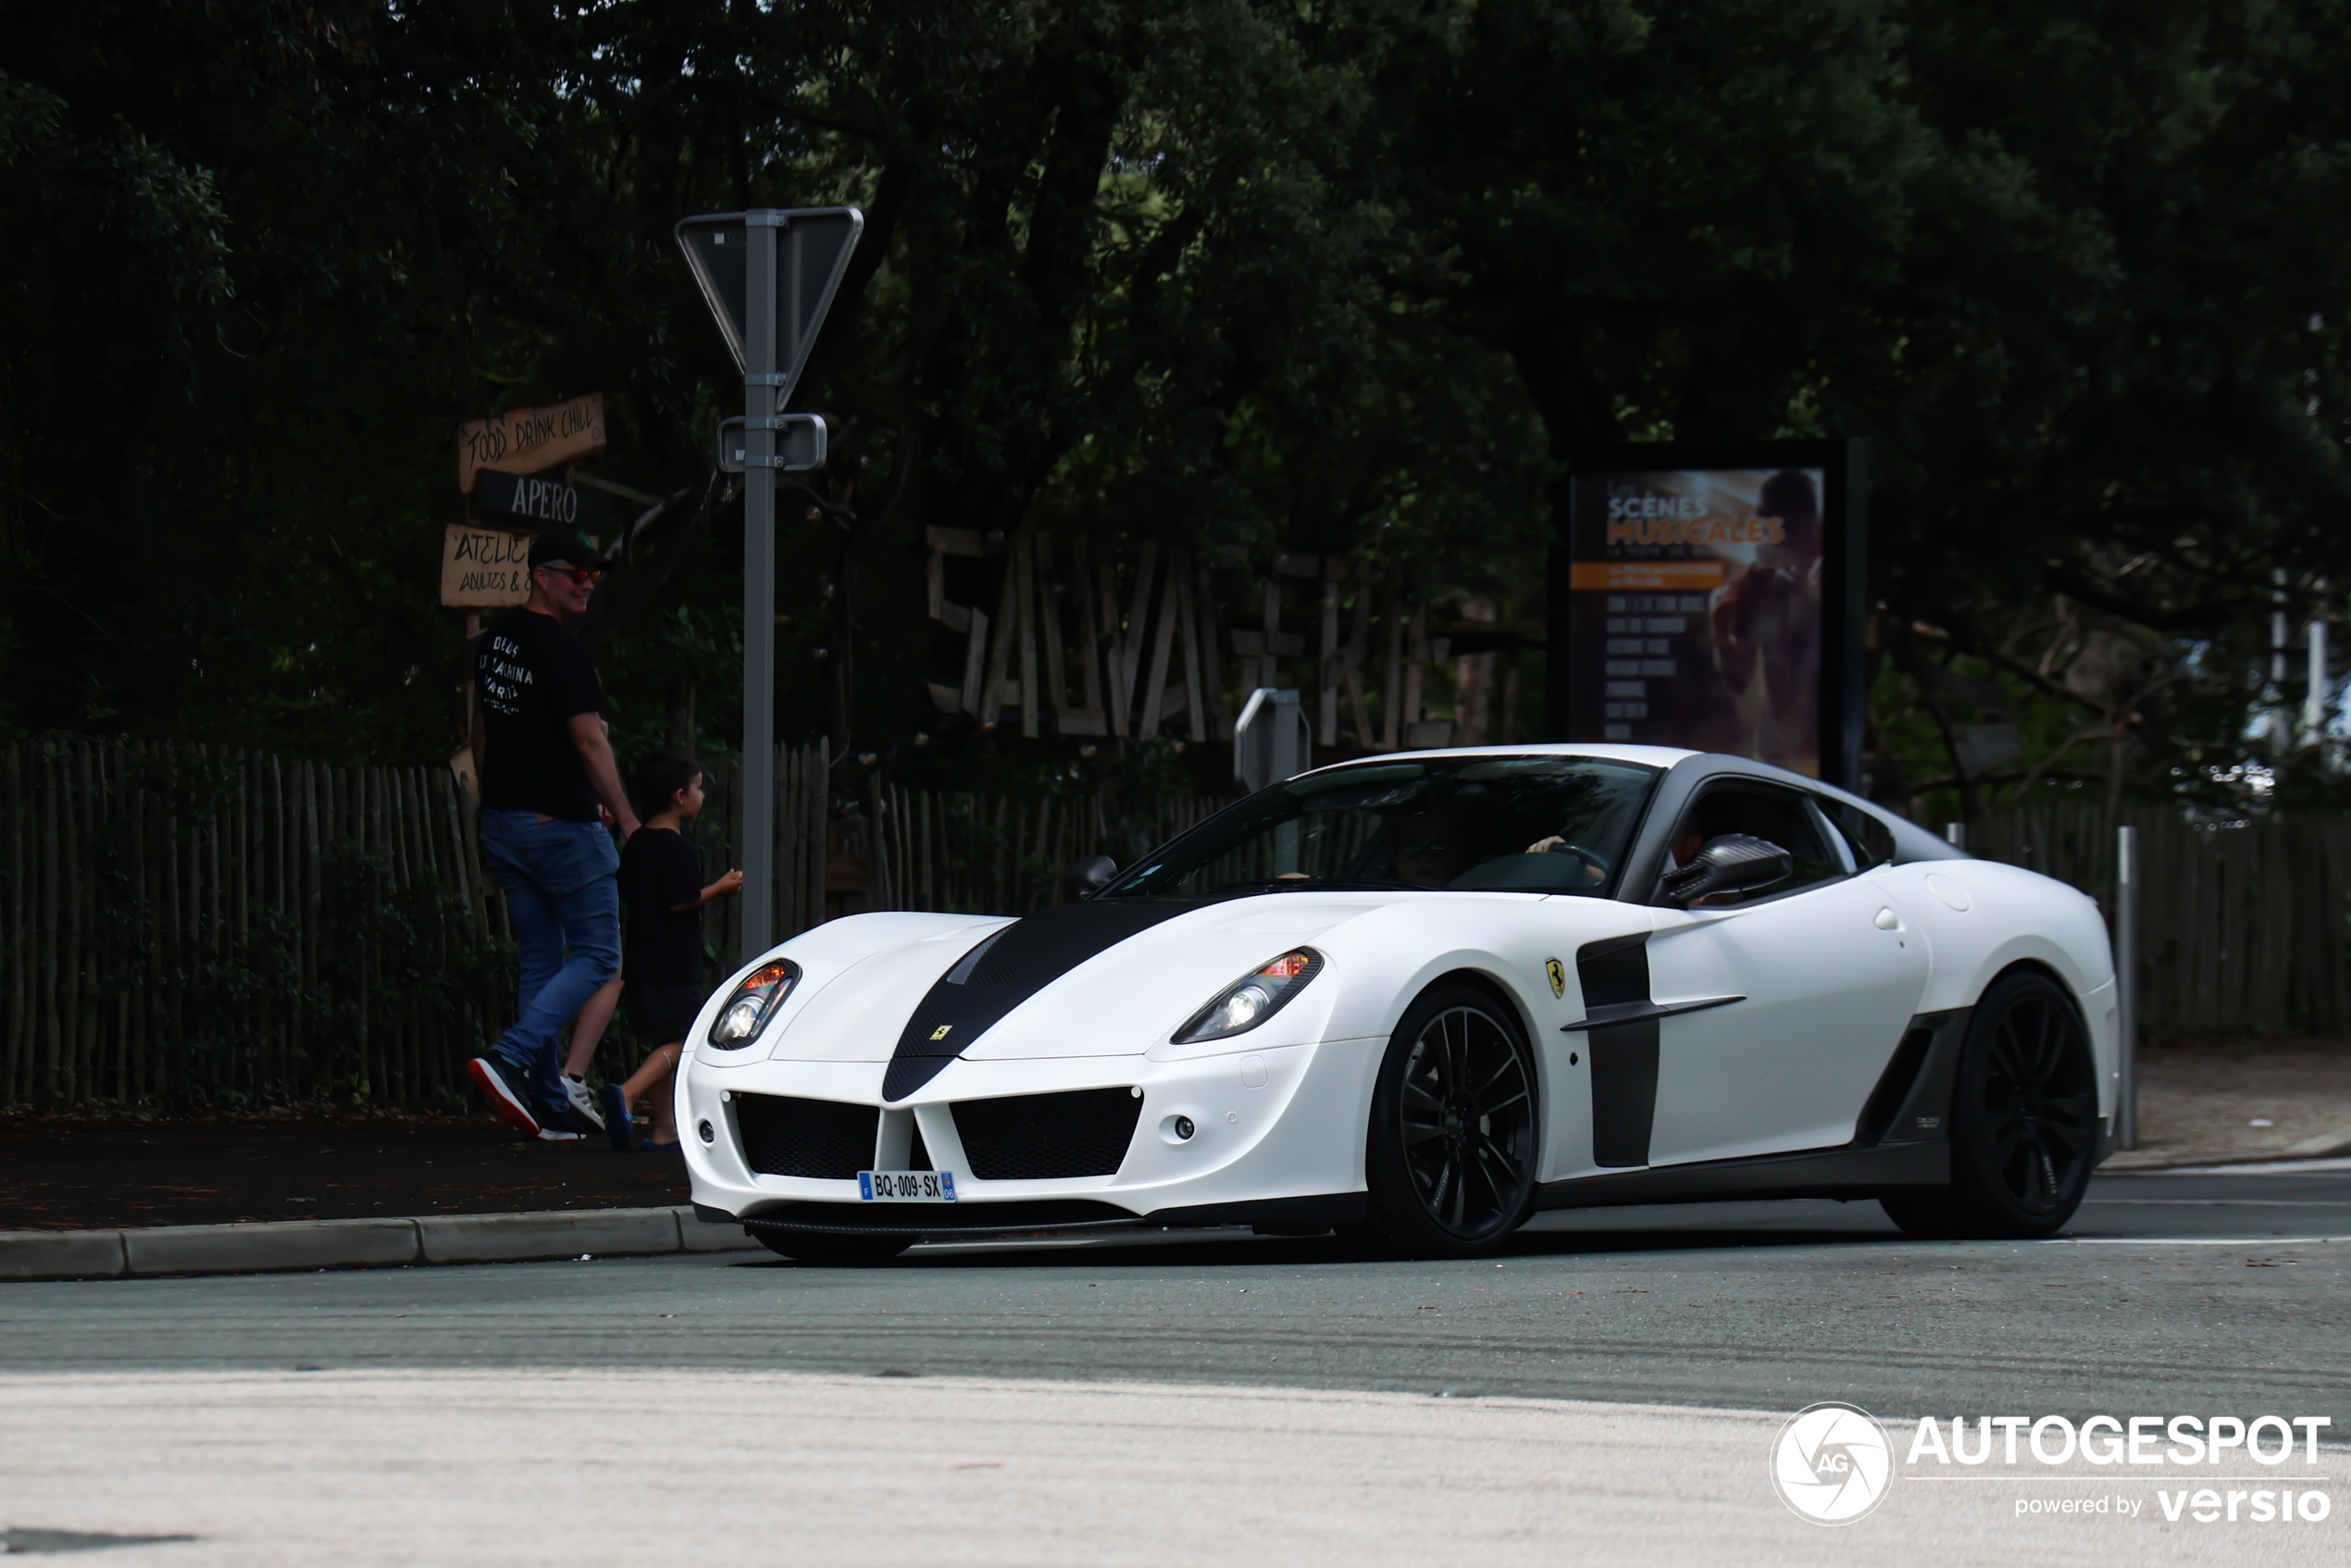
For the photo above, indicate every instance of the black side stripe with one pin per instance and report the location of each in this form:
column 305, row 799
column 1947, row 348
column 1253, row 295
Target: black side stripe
column 1633, row 1012
column 1615, row 975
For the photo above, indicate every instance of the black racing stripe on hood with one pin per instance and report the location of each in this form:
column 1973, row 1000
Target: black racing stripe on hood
column 1022, row 959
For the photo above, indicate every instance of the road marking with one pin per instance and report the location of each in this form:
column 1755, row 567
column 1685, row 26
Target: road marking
column 2190, row 1240
column 2232, row 1202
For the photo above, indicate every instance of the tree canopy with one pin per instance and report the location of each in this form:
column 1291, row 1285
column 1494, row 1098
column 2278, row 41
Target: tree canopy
column 1358, row 278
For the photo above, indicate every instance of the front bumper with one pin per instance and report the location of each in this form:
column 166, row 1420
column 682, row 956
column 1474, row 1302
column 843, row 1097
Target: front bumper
column 1277, row 1139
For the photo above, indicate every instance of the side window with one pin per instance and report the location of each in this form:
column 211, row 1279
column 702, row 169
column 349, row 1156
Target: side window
column 1873, row 840
column 1775, row 814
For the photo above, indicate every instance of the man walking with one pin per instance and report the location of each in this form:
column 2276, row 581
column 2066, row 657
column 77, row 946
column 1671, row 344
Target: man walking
column 545, row 765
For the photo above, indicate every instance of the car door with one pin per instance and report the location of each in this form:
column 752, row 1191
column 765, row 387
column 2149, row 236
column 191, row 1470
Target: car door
column 1826, row 973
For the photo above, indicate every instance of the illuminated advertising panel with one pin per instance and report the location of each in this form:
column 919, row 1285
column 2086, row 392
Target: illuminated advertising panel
column 1709, row 598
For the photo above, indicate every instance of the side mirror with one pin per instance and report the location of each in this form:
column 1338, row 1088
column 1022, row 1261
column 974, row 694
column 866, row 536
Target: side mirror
column 1732, row 863
column 1088, row 877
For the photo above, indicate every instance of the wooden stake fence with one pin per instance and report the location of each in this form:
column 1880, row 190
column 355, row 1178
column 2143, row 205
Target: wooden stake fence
column 2242, row 929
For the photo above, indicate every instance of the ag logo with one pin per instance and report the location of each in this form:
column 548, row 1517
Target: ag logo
column 1556, row 971
column 1832, row 1463
column 941, row 1032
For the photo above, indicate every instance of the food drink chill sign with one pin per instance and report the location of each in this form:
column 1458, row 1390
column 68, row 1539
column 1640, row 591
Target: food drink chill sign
column 1710, row 602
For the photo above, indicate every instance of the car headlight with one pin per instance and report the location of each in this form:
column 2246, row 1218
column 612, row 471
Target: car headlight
column 1253, row 997
column 753, row 1004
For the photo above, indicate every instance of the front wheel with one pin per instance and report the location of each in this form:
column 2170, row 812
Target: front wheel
column 831, row 1247
column 1451, row 1157
column 2023, row 1120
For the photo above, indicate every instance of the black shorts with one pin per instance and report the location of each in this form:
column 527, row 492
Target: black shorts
column 662, row 1015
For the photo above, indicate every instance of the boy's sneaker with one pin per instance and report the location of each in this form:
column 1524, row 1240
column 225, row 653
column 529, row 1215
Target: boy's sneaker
column 618, row 1124
column 583, row 1102
column 495, row 1077
column 559, row 1135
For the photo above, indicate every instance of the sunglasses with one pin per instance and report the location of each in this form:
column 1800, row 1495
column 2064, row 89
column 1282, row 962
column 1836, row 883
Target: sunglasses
column 580, row 576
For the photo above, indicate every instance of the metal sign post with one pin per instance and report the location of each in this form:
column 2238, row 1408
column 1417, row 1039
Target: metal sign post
column 769, row 276
column 2126, row 986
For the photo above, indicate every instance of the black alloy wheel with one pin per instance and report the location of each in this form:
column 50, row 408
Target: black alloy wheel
column 1453, row 1136
column 2024, row 1119
column 838, row 1248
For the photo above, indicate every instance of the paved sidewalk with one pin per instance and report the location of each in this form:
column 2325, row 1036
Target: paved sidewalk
column 2209, row 1102
column 79, row 1171
column 448, row 1470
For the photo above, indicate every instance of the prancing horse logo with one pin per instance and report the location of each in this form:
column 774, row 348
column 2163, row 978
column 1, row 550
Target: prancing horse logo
column 941, row 1032
column 1557, row 973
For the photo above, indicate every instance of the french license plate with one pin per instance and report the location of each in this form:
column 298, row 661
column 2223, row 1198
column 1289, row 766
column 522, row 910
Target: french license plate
column 906, row 1186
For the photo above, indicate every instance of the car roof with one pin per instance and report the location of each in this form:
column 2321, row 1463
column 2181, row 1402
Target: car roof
column 1648, row 757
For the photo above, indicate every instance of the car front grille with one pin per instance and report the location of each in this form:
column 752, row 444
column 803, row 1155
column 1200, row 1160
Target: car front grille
column 822, row 1140
column 1048, row 1136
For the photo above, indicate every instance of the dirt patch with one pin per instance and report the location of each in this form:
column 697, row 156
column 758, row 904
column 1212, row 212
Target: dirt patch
column 2207, row 1098
column 73, row 1172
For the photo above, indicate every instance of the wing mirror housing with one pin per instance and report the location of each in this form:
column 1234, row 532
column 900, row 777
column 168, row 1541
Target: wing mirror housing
column 1732, row 862
column 1088, row 877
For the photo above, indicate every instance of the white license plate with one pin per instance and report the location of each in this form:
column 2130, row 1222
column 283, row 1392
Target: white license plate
column 906, row 1186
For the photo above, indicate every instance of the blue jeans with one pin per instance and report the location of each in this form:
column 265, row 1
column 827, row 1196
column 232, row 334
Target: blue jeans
column 563, row 895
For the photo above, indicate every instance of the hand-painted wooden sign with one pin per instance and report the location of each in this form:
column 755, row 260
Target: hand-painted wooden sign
column 530, row 440
column 550, row 502
column 484, row 569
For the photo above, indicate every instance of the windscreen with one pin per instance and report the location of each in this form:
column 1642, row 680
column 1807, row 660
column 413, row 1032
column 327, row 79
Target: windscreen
column 1531, row 825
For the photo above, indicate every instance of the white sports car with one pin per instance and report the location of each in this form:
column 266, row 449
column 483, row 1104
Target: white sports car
column 1419, row 997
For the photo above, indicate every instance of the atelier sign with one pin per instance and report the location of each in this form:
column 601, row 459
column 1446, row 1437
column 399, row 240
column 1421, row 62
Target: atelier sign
column 530, row 440
column 544, row 501
column 484, row 569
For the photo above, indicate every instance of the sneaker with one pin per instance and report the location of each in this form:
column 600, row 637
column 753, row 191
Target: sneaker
column 559, row 1135
column 618, row 1124
column 498, row 1079
column 583, row 1101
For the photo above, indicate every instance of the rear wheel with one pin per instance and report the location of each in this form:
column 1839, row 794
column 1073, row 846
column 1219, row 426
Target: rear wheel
column 2024, row 1119
column 831, row 1247
column 1450, row 1158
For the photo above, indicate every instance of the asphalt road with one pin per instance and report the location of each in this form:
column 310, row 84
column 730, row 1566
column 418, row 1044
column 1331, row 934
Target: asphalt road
column 2170, row 1291
column 1610, row 1391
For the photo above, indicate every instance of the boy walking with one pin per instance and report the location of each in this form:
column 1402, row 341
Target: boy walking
column 662, row 985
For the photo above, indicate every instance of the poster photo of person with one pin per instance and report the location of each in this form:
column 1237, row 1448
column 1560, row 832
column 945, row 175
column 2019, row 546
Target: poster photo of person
column 1697, row 611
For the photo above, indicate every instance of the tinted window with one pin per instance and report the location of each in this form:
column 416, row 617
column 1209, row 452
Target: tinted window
column 1537, row 825
column 1778, row 816
column 1873, row 840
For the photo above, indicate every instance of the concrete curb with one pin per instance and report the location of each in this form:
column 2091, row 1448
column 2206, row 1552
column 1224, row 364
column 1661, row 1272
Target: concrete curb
column 2323, row 1147
column 370, row 1244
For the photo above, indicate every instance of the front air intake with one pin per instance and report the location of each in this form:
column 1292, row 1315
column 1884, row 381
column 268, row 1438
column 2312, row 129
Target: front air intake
column 1048, row 1136
column 818, row 1140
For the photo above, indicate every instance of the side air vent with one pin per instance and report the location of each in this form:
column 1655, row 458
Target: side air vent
column 821, row 1140
column 1048, row 1136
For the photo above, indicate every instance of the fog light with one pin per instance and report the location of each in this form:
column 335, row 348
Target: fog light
column 709, row 1133
column 1184, row 1129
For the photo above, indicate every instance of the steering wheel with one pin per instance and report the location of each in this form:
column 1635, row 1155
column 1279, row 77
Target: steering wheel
column 1596, row 867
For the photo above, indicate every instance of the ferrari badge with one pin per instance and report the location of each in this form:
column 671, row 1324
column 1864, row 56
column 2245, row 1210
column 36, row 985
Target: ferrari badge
column 1556, row 972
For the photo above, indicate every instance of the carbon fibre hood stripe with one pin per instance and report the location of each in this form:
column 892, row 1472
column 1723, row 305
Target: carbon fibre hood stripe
column 1021, row 960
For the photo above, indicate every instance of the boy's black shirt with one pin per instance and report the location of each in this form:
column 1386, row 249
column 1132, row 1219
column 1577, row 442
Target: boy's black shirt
column 535, row 678
column 659, row 871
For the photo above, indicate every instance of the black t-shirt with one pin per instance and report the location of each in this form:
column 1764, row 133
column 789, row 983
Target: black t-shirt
column 535, row 678
column 659, row 871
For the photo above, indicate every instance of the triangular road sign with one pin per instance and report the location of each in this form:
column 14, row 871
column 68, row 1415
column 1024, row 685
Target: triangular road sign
column 812, row 247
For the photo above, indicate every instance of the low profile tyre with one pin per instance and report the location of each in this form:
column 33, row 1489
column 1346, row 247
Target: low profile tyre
column 1450, row 1158
column 2024, row 1119
column 830, row 1247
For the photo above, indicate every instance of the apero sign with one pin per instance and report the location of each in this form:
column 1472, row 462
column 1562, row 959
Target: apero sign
column 542, row 501
column 530, row 440
column 1711, row 598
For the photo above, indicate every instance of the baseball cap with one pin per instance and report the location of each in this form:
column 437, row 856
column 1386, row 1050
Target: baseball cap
column 568, row 546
